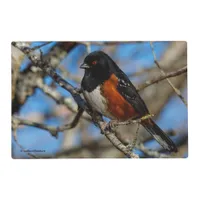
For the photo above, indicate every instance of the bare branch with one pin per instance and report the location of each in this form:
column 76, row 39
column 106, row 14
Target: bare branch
column 106, row 128
column 52, row 130
column 115, row 141
column 114, row 123
column 162, row 77
column 56, row 96
column 177, row 91
column 46, row 67
column 15, row 124
column 132, row 145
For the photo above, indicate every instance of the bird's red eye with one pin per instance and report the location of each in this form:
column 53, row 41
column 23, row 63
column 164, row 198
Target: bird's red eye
column 94, row 62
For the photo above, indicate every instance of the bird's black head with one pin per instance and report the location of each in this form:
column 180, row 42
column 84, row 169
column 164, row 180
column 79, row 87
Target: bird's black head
column 98, row 68
column 97, row 64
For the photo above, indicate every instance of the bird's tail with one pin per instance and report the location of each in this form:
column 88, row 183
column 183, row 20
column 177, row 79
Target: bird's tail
column 161, row 137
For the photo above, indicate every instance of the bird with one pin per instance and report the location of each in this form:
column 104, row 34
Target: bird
column 109, row 92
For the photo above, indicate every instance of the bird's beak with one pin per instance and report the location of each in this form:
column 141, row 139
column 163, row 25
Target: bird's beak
column 84, row 66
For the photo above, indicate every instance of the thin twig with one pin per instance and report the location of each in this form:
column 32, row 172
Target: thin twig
column 162, row 77
column 52, row 130
column 15, row 124
column 133, row 143
column 114, row 123
column 177, row 91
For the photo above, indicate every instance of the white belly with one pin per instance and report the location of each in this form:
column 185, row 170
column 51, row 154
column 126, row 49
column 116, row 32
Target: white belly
column 97, row 101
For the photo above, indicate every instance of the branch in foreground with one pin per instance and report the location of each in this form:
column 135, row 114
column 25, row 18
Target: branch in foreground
column 47, row 68
column 107, row 128
column 114, row 123
column 177, row 91
column 162, row 77
column 115, row 141
column 52, row 130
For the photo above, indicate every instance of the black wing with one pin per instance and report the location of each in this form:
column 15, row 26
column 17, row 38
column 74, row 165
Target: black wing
column 129, row 92
column 127, row 89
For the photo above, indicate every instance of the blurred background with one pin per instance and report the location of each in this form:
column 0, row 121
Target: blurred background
column 32, row 93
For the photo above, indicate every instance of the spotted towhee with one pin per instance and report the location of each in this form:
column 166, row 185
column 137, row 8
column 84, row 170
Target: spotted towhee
column 109, row 92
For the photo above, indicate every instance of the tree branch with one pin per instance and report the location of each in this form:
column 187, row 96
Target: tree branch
column 106, row 128
column 97, row 119
column 162, row 77
column 56, row 96
column 177, row 91
column 52, row 130
column 15, row 125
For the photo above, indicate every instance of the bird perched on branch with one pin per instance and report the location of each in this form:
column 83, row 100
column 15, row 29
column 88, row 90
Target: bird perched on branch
column 109, row 92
